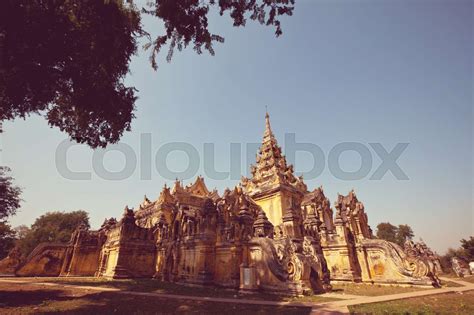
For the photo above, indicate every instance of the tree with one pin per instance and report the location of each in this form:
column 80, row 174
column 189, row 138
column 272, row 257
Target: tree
column 7, row 239
column 446, row 259
column 52, row 227
column 21, row 231
column 398, row 235
column 9, row 195
column 387, row 231
column 404, row 233
column 186, row 21
column 468, row 248
column 9, row 203
column 66, row 59
column 465, row 252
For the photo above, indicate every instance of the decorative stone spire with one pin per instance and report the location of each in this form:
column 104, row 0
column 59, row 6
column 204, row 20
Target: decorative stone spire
column 146, row 202
column 128, row 215
column 268, row 134
column 262, row 227
column 177, row 188
column 269, row 143
column 271, row 169
column 351, row 210
column 339, row 220
column 165, row 196
column 198, row 188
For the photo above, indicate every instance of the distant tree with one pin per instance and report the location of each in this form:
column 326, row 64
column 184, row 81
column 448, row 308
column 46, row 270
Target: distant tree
column 7, row 239
column 404, row 233
column 387, row 231
column 67, row 59
column 465, row 251
column 52, row 227
column 9, row 203
column 9, row 195
column 468, row 248
column 21, row 231
column 446, row 259
column 398, row 235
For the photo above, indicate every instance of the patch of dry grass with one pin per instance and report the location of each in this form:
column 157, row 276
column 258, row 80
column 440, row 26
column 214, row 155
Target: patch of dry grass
column 468, row 279
column 365, row 289
column 449, row 303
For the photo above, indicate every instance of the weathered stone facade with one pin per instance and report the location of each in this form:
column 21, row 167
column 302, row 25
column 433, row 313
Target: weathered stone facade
column 460, row 267
column 268, row 233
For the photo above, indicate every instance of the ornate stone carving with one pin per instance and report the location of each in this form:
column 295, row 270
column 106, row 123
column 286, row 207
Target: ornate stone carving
column 460, row 267
column 262, row 227
column 272, row 228
column 271, row 169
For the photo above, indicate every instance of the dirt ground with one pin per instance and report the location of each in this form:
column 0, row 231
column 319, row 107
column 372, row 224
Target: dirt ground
column 41, row 299
column 145, row 296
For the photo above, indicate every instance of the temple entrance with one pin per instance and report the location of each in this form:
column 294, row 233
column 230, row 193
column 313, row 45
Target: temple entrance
column 315, row 281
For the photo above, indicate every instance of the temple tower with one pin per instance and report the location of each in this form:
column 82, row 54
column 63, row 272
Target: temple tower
column 274, row 187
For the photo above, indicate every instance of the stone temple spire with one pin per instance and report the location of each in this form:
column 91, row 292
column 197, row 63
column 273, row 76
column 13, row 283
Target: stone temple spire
column 270, row 169
column 270, row 150
column 268, row 134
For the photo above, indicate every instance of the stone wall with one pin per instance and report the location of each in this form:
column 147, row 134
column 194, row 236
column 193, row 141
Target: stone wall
column 82, row 254
column 129, row 250
column 46, row 260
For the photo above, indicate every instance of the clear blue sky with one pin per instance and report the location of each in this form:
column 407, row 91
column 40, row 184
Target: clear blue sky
column 360, row 71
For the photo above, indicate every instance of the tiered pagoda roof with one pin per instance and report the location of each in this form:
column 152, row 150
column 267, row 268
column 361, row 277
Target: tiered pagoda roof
column 271, row 170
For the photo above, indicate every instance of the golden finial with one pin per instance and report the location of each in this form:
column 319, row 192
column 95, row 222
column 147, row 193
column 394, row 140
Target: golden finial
column 268, row 129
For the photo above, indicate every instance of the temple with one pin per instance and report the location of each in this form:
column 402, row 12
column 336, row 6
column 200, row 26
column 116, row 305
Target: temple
column 269, row 233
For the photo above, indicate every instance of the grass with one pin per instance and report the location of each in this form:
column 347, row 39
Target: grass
column 372, row 289
column 29, row 299
column 449, row 303
column 151, row 285
column 450, row 275
column 468, row 279
column 453, row 276
column 450, row 284
column 365, row 289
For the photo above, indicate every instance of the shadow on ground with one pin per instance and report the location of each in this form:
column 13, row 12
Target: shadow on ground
column 152, row 285
column 25, row 299
column 30, row 298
